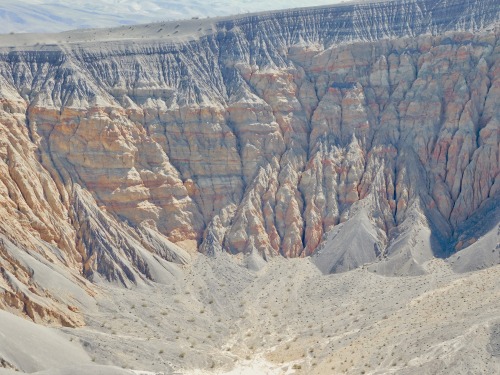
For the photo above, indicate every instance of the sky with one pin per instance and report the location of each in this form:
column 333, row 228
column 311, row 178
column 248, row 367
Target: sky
column 38, row 16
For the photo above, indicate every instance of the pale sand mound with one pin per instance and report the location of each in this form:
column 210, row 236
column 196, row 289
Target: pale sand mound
column 31, row 347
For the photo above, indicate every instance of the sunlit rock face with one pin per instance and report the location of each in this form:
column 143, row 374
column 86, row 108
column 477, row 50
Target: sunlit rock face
column 354, row 133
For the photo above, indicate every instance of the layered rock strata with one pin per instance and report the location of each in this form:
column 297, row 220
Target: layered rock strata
column 355, row 133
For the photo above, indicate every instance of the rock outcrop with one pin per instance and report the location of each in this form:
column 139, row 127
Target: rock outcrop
column 355, row 133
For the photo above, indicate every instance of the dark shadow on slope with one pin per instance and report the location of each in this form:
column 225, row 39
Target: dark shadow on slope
column 486, row 218
column 476, row 243
column 494, row 344
column 440, row 241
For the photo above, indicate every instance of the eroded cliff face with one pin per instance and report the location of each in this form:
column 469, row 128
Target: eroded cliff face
column 353, row 133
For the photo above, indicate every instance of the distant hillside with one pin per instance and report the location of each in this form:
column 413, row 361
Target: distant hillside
column 36, row 16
